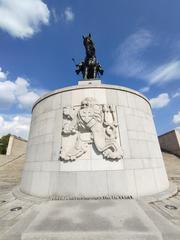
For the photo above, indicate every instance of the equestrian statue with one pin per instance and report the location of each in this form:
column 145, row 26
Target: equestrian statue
column 89, row 68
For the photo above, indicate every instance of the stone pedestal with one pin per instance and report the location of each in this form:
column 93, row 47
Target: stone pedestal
column 93, row 140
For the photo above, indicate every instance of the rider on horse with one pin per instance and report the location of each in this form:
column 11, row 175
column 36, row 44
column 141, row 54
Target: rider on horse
column 89, row 67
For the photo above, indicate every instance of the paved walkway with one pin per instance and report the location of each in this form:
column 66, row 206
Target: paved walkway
column 165, row 207
column 10, row 172
column 12, row 223
column 172, row 164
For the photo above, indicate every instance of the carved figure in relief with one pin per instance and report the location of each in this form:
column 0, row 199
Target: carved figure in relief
column 97, row 123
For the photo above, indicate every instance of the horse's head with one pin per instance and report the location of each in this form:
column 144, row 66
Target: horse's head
column 87, row 40
column 89, row 46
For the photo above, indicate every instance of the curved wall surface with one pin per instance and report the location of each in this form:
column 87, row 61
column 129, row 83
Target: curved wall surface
column 139, row 172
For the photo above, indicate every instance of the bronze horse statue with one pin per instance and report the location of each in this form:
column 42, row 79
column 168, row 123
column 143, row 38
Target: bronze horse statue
column 89, row 68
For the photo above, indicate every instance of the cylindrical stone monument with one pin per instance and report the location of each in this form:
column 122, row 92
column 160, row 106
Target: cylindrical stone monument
column 93, row 140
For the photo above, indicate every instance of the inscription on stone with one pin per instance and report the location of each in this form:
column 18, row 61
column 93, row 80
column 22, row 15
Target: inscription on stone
column 90, row 123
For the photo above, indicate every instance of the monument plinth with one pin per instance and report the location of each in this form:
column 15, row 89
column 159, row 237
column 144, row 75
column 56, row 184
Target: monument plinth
column 93, row 140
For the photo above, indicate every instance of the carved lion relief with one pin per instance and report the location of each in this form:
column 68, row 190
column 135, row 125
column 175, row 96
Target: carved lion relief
column 90, row 123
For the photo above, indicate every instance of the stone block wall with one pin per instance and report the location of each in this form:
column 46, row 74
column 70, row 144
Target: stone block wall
column 170, row 142
column 16, row 146
column 140, row 172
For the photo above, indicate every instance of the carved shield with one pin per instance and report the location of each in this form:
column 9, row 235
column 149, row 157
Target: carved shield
column 86, row 114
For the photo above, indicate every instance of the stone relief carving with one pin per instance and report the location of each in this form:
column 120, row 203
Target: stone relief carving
column 90, row 123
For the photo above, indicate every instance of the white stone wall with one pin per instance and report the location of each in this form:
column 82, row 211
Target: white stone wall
column 141, row 171
column 170, row 142
column 16, row 146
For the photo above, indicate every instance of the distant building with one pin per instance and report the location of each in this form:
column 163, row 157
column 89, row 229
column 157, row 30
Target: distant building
column 170, row 142
column 16, row 146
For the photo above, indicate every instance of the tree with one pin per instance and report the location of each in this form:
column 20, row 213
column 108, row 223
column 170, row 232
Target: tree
column 4, row 143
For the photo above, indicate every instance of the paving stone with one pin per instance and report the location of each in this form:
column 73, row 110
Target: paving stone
column 92, row 219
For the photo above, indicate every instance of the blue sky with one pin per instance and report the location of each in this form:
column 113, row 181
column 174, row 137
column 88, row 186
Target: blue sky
column 137, row 43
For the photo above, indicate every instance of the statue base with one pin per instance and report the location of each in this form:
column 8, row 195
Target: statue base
column 89, row 82
column 93, row 140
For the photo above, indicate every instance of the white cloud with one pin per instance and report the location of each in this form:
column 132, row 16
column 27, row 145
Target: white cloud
column 23, row 18
column 69, row 14
column 18, row 92
column 17, row 125
column 128, row 56
column 3, row 75
column 165, row 73
column 160, row 101
column 130, row 60
column 7, row 94
column 144, row 89
column 176, row 118
column 27, row 100
column 177, row 94
column 55, row 16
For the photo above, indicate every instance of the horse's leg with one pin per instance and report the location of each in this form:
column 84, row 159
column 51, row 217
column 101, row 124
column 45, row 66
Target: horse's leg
column 85, row 72
column 95, row 71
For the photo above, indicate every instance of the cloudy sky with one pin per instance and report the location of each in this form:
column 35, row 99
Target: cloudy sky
column 138, row 45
